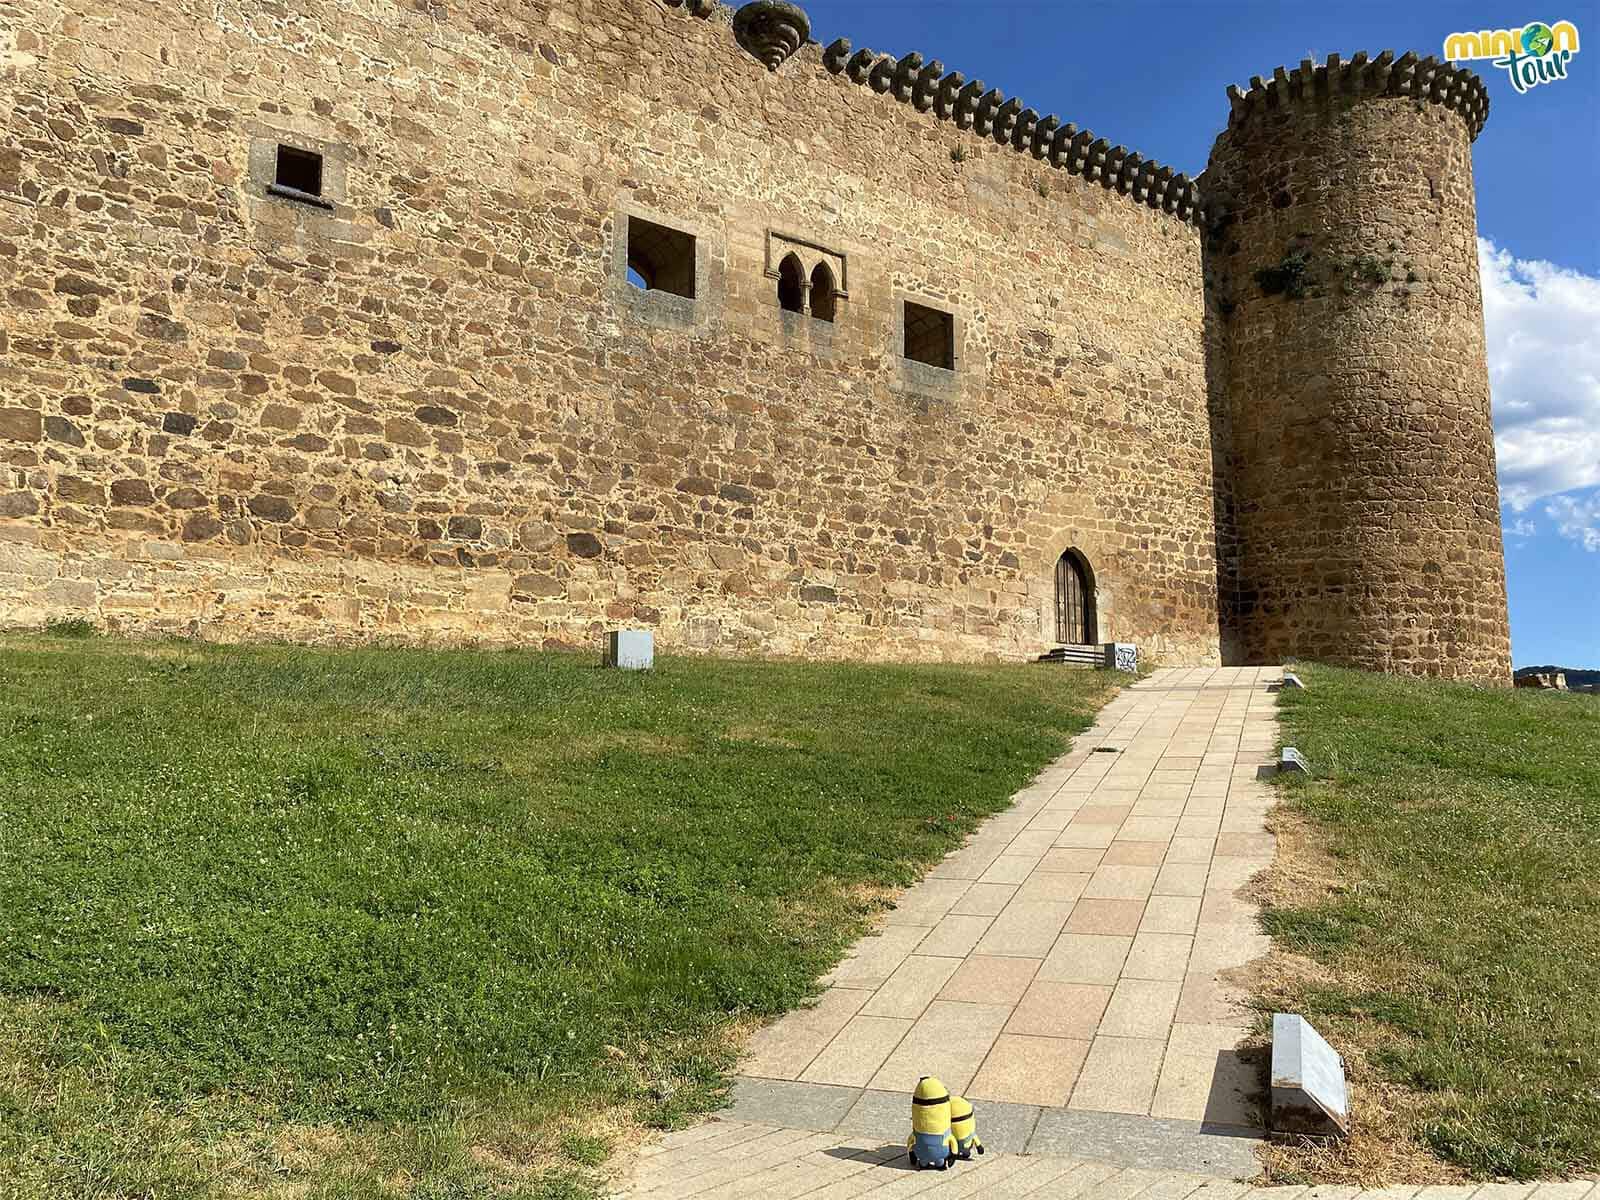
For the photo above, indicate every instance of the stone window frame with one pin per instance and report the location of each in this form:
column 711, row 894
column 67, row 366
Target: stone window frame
column 809, row 254
column 664, row 310
column 261, row 178
column 915, row 376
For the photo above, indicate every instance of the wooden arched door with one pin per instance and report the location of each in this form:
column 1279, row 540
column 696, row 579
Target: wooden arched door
column 1074, row 600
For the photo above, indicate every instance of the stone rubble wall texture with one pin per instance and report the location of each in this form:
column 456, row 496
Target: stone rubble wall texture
column 438, row 412
column 1361, row 456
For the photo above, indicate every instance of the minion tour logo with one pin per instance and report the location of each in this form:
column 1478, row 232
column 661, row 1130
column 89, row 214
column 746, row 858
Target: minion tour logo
column 1537, row 53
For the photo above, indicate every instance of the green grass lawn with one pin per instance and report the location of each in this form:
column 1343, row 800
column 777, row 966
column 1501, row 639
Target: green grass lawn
column 370, row 923
column 1463, row 947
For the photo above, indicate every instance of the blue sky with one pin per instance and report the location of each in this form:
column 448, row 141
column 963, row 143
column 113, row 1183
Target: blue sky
column 1152, row 76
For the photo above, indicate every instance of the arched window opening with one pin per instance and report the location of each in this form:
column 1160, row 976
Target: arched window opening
column 822, row 297
column 791, row 285
column 1075, row 616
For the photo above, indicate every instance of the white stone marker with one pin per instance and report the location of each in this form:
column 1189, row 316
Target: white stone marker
column 1308, row 1088
column 1291, row 761
column 630, row 649
column 1122, row 656
column 1291, row 680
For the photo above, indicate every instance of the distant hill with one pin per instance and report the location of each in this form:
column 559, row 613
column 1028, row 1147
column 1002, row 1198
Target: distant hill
column 1577, row 677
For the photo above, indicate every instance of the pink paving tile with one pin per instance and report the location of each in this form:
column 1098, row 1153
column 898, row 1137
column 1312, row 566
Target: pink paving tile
column 1050, row 1008
column 1135, row 854
column 986, row 980
column 1081, row 860
column 1102, row 814
column 1106, row 917
column 1029, row 1070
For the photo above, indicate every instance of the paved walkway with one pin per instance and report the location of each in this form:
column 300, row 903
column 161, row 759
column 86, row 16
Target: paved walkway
column 1068, row 955
column 727, row 1159
column 1064, row 969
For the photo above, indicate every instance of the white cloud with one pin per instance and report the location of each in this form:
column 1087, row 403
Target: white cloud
column 1543, row 324
column 1578, row 518
column 1521, row 528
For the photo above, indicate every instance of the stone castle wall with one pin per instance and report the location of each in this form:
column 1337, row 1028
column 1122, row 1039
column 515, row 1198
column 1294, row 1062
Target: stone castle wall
column 1344, row 283
column 438, row 411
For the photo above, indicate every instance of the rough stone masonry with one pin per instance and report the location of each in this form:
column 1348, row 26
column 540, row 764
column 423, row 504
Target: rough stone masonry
column 322, row 323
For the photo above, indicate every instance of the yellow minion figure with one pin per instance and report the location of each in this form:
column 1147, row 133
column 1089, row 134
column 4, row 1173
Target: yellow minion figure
column 931, row 1143
column 964, row 1127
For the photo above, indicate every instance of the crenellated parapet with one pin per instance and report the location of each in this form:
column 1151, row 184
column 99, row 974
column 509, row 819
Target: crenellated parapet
column 988, row 113
column 1426, row 80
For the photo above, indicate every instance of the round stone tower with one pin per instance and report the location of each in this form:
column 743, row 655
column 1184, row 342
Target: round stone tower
column 1350, row 379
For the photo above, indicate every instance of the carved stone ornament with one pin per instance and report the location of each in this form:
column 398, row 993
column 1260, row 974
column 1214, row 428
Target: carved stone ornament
column 771, row 30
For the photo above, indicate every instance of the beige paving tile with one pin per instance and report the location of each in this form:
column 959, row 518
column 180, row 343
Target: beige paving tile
column 1205, row 1077
column 1155, row 806
column 985, row 899
column 954, row 937
column 1086, row 958
column 969, row 862
column 950, row 1040
column 876, row 958
column 1141, row 1008
column 985, row 980
column 1222, row 907
column 855, row 1055
column 1245, row 845
column 1010, row 868
column 1181, row 879
column 1157, row 956
column 1076, row 860
column 1208, row 1000
column 1170, row 914
column 1221, row 947
column 1120, row 1075
column 1087, row 837
column 1051, row 1008
column 1231, row 874
column 1164, row 791
column 786, row 1047
column 928, row 901
column 1135, row 854
column 1033, row 842
column 1029, row 1070
column 1190, row 850
column 1052, row 818
column 1110, row 882
column 1060, row 886
column 1147, row 829
column 1198, row 825
column 1027, row 928
column 915, row 982
column 1105, row 916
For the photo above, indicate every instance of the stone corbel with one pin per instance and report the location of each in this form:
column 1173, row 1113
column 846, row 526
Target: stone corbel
column 1005, row 120
column 949, row 95
column 968, row 101
column 905, row 76
column 922, row 91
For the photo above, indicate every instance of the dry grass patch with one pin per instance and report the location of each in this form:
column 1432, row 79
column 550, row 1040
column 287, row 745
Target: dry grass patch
column 1436, row 907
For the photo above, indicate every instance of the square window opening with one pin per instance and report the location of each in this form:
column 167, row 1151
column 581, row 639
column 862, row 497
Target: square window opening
column 930, row 336
column 299, row 171
column 660, row 259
